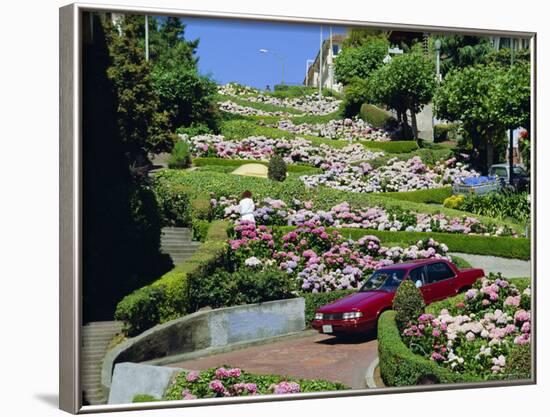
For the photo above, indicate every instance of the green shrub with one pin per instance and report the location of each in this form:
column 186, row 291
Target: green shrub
column 444, row 132
column 430, row 196
column 224, row 288
column 454, row 201
column 518, row 363
column 173, row 202
column 195, row 129
column 200, row 229
column 143, row 398
column 316, row 118
column 181, row 156
column 402, row 146
column 276, row 170
column 408, row 304
column 375, row 116
column 240, row 129
column 401, row 367
column 139, row 310
column 316, row 300
column 168, row 297
column 201, row 208
column 500, row 205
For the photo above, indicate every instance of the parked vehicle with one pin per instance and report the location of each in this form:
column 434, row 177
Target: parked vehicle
column 520, row 179
column 359, row 312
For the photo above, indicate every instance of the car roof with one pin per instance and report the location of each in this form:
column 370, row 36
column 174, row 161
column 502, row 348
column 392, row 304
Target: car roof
column 412, row 263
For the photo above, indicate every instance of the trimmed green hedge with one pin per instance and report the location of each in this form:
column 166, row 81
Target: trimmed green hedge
column 375, row 116
column 399, row 146
column 167, row 298
column 401, row 367
column 431, row 196
column 243, row 128
column 506, row 247
column 316, row 118
column 316, row 300
column 268, row 107
column 235, row 163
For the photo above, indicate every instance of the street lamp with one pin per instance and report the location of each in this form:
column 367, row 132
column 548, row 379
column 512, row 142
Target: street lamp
column 279, row 57
column 437, row 46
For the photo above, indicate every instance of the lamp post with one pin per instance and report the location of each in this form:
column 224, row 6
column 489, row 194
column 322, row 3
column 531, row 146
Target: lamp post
column 437, row 46
column 279, row 57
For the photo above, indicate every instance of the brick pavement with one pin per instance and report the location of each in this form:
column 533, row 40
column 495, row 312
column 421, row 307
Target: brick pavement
column 313, row 356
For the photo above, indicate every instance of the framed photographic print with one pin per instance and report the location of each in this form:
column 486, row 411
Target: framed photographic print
column 260, row 208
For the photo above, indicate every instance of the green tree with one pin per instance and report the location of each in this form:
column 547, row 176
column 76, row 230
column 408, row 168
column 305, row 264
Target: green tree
column 360, row 61
column 143, row 126
column 487, row 100
column 459, row 51
column 187, row 97
column 407, row 82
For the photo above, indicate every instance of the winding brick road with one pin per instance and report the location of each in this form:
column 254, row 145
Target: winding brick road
column 311, row 355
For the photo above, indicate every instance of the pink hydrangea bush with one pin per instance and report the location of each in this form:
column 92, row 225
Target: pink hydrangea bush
column 477, row 337
column 272, row 212
column 235, row 382
column 396, row 175
column 320, row 260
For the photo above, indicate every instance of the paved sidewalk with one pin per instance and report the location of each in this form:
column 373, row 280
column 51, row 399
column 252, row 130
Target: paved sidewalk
column 510, row 268
column 313, row 356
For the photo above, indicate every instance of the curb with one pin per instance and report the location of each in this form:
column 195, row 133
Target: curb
column 369, row 374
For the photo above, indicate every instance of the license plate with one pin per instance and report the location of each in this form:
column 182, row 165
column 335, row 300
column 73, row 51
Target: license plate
column 327, row 328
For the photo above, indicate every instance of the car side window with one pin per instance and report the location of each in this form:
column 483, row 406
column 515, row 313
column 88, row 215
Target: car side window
column 439, row 271
column 501, row 172
column 418, row 276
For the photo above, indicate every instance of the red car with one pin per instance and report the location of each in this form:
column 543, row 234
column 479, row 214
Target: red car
column 359, row 312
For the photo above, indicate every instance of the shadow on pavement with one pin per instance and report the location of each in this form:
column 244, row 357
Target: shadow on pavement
column 350, row 339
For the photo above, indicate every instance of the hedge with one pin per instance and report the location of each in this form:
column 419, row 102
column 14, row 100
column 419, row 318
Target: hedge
column 430, row 196
column 167, row 298
column 235, row 163
column 375, row 116
column 506, row 247
column 399, row 146
column 317, row 118
column 243, row 128
column 401, row 367
column 315, row 300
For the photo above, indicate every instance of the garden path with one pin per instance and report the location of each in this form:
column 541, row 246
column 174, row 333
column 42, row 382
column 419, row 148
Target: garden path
column 252, row 170
column 313, row 356
column 510, row 268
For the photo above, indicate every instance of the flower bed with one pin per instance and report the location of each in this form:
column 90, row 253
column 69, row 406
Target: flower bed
column 273, row 212
column 309, row 104
column 321, row 261
column 397, row 175
column 337, row 129
column 476, row 335
column 234, row 382
column 292, row 150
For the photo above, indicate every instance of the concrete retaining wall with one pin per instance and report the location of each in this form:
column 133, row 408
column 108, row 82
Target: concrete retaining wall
column 206, row 330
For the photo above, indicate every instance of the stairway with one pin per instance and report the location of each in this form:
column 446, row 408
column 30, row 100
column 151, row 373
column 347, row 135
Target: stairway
column 176, row 242
column 96, row 337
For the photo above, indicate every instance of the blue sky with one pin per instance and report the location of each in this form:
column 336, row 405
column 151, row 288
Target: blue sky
column 229, row 49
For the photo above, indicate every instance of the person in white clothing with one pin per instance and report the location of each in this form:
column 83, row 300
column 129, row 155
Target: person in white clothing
column 247, row 207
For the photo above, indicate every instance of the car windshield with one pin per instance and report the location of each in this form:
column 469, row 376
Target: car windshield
column 384, row 280
column 520, row 171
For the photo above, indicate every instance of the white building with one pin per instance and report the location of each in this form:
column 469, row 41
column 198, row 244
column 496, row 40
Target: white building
column 331, row 48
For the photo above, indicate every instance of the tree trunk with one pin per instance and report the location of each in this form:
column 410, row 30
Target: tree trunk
column 405, row 125
column 490, row 154
column 414, row 125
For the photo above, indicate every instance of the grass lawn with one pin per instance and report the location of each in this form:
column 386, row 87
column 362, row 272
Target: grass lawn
column 258, row 105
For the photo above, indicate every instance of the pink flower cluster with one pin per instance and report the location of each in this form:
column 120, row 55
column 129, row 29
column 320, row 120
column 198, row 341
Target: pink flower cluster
column 320, row 260
column 285, row 387
column 478, row 339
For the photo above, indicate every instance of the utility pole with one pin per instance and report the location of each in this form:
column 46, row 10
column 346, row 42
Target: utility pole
column 511, row 144
column 146, row 38
column 321, row 63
